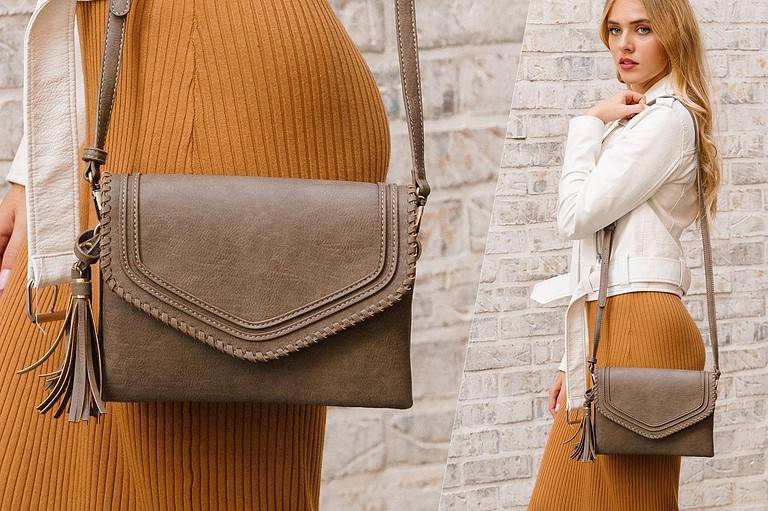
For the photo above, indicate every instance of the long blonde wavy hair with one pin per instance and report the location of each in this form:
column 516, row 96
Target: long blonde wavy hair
column 676, row 28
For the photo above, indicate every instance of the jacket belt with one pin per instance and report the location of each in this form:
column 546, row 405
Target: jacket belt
column 630, row 269
column 623, row 270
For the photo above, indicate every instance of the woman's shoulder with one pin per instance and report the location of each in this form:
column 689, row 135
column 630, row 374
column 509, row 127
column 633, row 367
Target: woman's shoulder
column 669, row 120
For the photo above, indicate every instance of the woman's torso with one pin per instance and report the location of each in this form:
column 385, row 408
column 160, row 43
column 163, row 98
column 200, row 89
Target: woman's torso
column 251, row 87
column 652, row 230
column 675, row 202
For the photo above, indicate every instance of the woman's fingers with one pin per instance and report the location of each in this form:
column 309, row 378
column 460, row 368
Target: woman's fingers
column 552, row 400
column 554, row 393
column 624, row 104
column 6, row 232
column 13, row 233
column 630, row 111
column 4, row 239
column 10, row 255
column 630, row 97
column 13, row 248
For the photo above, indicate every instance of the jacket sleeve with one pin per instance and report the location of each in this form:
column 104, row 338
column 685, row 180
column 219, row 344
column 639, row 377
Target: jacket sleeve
column 17, row 173
column 596, row 189
column 563, row 366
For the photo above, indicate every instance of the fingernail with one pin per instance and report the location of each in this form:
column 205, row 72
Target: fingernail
column 5, row 276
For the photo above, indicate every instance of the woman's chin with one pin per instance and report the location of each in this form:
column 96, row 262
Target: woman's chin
column 630, row 76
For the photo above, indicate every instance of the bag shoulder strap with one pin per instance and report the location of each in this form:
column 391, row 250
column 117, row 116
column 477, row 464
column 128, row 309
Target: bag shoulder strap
column 408, row 54
column 605, row 255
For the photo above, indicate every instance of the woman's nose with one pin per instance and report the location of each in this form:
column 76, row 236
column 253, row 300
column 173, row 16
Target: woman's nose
column 625, row 42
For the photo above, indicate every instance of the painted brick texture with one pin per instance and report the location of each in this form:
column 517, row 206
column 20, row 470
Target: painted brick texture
column 390, row 460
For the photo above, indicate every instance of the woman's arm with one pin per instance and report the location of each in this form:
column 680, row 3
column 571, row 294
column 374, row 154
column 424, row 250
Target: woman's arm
column 18, row 171
column 595, row 189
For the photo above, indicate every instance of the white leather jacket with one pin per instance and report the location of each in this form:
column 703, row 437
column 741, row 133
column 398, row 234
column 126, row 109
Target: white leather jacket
column 47, row 161
column 641, row 172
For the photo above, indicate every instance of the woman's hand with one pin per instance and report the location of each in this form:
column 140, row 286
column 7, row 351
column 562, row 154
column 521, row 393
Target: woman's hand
column 556, row 397
column 13, row 231
column 625, row 104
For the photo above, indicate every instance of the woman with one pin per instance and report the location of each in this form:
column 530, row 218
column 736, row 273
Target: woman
column 636, row 165
column 259, row 88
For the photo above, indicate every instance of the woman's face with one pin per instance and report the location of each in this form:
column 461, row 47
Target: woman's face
column 631, row 39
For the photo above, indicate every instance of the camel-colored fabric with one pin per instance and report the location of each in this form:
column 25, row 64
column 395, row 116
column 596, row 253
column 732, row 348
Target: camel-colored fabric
column 639, row 329
column 247, row 87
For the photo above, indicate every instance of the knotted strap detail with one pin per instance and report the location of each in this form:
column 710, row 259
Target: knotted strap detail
column 94, row 154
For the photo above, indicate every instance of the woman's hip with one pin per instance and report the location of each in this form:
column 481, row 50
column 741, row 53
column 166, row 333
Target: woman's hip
column 647, row 329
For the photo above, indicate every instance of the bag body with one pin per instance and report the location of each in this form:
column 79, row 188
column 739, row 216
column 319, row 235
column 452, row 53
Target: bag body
column 648, row 410
column 274, row 302
column 642, row 410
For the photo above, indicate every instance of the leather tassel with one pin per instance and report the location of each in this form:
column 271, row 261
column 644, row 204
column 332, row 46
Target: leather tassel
column 585, row 449
column 78, row 380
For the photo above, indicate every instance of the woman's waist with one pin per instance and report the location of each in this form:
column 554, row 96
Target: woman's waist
column 637, row 288
column 625, row 273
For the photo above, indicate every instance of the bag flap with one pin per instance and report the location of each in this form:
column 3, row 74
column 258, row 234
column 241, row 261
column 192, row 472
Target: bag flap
column 257, row 267
column 654, row 402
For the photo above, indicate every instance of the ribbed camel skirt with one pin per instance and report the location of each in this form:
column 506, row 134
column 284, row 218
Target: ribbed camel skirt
column 639, row 329
column 242, row 87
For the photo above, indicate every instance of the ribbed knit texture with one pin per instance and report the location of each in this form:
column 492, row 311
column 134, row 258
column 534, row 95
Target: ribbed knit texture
column 639, row 329
column 248, row 87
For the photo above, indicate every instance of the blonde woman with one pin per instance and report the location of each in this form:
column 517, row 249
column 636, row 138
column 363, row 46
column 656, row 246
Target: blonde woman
column 636, row 165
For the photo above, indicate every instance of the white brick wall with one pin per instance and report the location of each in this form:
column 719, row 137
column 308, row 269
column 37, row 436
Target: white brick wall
column 390, row 460
column 502, row 420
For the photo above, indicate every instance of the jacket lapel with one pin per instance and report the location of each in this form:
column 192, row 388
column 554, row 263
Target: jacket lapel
column 661, row 88
column 609, row 128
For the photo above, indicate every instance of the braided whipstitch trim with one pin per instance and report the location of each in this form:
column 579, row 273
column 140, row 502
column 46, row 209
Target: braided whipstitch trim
column 703, row 414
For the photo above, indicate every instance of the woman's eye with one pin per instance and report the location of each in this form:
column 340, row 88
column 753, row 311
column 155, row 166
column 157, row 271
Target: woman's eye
column 610, row 30
column 644, row 28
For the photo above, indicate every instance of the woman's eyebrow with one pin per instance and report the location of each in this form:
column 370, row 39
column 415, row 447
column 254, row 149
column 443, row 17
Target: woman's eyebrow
column 644, row 20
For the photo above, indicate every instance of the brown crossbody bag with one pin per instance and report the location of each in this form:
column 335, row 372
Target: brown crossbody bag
column 242, row 288
column 646, row 410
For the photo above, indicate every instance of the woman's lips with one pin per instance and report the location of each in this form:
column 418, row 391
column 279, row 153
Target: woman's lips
column 628, row 64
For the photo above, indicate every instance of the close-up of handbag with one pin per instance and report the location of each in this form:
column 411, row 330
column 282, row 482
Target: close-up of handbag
column 242, row 288
column 645, row 410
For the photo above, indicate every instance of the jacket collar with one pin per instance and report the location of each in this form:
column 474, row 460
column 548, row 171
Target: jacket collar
column 661, row 88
